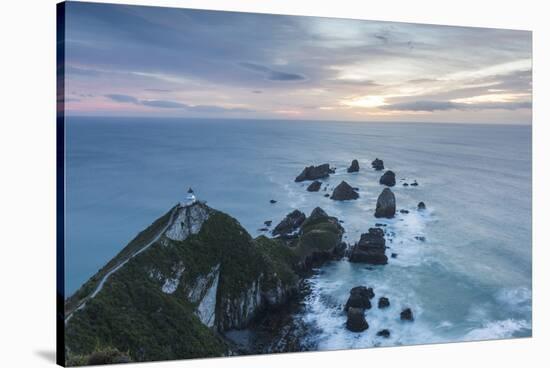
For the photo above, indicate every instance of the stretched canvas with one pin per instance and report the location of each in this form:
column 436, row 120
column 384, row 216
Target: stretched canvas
column 237, row 183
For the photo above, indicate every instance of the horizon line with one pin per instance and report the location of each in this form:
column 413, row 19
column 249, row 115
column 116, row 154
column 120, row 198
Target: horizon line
column 530, row 123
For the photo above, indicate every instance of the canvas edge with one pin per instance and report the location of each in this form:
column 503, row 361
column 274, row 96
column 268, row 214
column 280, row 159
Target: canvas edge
column 60, row 183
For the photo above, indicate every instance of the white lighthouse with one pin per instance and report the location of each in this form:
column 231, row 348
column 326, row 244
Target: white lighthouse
column 190, row 197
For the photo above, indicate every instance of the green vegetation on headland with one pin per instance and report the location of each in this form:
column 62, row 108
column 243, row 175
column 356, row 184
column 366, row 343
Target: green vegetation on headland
column 175, row 299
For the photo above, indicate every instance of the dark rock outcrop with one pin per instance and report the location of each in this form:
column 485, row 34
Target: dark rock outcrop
column 356, row 320
column 385, row 205
column 407, row 315
column 414, row 184
column 326, row 195
column 272, row 201
column 354, row 166
column 383, row 333
column 404, row 211
column 388, row 178
column 383, row 302
column 268, row 223
column 344, row 192
column 314, row 187
column 319, row 239
column 314, row 173
column 421, row 206
column 290, row 223
column 378, row 164
column 359, row 297
column 371, row 248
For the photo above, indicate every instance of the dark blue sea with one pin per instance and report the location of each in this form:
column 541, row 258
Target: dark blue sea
column 469, row 280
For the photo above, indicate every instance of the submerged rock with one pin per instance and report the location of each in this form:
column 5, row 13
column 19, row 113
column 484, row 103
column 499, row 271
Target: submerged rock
column 383, row 302
column 290, row 223
column 421, row 206
column 359, row 297
column 404, row 211
column 314, row 187
column 385, row 205
column 388, row 178
column 326, row 195
column 356, row 320
column 272, row 201
column 344, row 192
column 371, row 248
column 407, row 315
column 415, row 184
column 354, row 166
column 378, row 164
column 383, row 333
column 314, row 173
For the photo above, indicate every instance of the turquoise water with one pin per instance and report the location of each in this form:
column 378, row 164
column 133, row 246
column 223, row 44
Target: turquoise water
column 470, row 279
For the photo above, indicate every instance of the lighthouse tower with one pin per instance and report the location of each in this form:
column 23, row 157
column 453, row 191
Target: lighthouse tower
column 190, row 197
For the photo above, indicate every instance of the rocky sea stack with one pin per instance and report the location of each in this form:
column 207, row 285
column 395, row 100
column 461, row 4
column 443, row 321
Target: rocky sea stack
column 354, row 166
column 407, row 315
column 314, row 173
column 344, row 192
column 358, row 302
column 356, row 321
column 314, row 187
column 388, row 178
column 378, row 164
column 359, row 297
column 371, row 248
column 385, row 205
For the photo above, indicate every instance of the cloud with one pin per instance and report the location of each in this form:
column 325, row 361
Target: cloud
column 271, row 74
column 122, row 98
column 163, row 104
column 158, row 90
column 166, row 104
column 431, row 106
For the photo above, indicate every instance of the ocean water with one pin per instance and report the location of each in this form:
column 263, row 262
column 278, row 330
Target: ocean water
column 469, row 280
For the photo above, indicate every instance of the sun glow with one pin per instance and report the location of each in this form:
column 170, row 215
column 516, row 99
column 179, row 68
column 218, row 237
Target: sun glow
column 365, row 101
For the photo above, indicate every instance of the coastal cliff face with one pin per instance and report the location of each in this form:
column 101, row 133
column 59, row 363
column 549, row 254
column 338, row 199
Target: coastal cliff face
column 171, row 298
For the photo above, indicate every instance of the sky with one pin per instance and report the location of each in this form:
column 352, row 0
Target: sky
column 165, row 62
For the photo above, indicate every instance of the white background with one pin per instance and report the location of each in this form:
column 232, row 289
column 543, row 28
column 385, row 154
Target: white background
column 27, row 181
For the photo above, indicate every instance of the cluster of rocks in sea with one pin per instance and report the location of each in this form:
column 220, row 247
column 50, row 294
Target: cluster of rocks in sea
column 359, row 301
column 371, row 247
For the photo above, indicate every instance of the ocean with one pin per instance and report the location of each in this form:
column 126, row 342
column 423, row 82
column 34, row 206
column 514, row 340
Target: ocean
column 469, row 280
